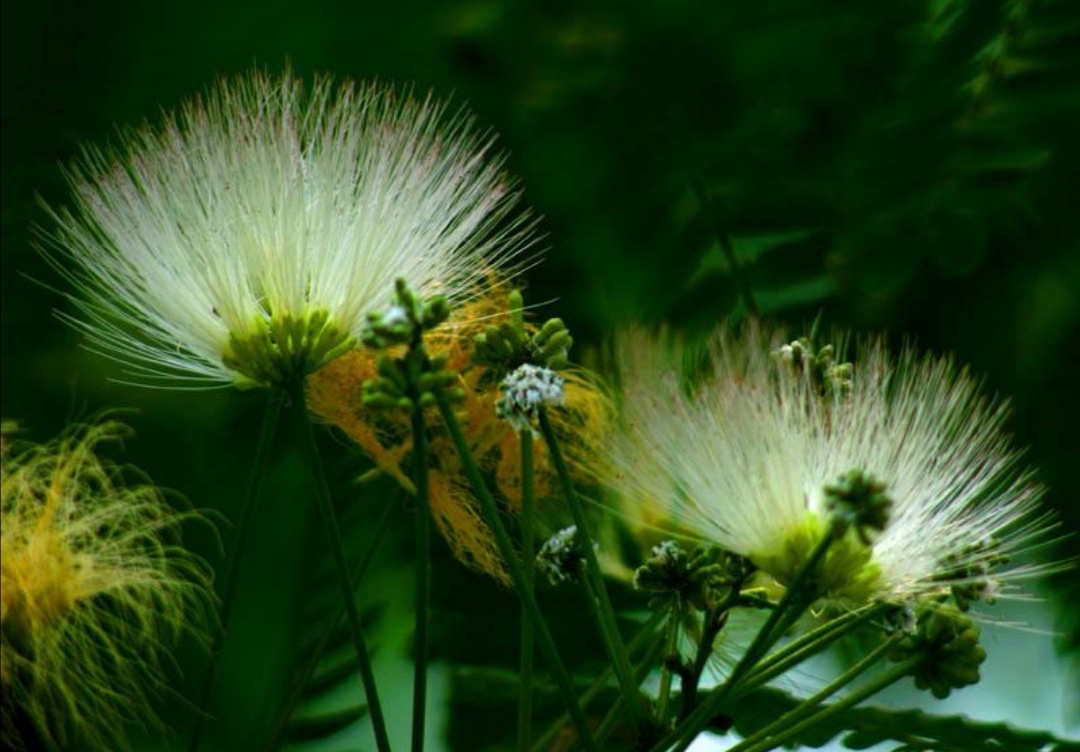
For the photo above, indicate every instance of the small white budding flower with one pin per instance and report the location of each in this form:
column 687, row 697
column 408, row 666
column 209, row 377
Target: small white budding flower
column 758, row 457
column 560, row 558
column 524, row 391
column 244, row 239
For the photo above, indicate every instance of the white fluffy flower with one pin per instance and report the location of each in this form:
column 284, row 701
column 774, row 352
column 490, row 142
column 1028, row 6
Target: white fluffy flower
column 742, row 458
column 244, row 239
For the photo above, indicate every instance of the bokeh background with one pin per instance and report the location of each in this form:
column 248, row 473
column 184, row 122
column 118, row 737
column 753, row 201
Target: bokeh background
column 901, row 167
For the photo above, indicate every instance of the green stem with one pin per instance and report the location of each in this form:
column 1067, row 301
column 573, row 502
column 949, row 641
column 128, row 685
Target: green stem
column 671, row 652
column 710, row 209
column 605, row 614
column 609, row 722
column 766, row 637
column 601, row 680
column 423, row 577
column 301, row 680
column 333, row 533
column 806, row 646
column 232, row 577
column 810, row 705
column 808, row 720
column 517, row 574
column 528, row 553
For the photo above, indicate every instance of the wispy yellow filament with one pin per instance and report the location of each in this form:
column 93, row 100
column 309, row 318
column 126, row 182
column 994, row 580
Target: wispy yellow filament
column 94, row 590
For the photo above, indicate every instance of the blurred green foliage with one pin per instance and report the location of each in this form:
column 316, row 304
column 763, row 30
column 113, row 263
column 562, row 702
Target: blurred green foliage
column 907, row 167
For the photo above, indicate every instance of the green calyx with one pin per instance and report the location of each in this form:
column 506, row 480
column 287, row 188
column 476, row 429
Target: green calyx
column 847, row 573
column 948, row 642
column 408, row 382
column 284, row 348
column 506, row 346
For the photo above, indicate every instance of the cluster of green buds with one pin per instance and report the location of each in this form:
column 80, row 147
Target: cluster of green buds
column 410, row 381
column 284, row 348
column 969, row 574
column 832, row 379
column 699, row 578
column 856, row 500
column 562, row 557
column 947, row 641
column 406, row 320
column 508, row 345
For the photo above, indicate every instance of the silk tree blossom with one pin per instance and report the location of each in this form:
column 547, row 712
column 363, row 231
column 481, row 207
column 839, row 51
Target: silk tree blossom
column 750, row 458
column 96, row 589
column 244, row 239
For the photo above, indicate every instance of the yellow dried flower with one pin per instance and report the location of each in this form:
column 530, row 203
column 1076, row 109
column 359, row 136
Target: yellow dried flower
column 95, row 588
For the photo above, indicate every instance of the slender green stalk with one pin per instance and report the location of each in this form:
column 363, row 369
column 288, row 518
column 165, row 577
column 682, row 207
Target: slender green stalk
column 785, row 735
column 708, row 205
column 301, row 679
column 333, row 533
column 671, row 648
column 766, row 637
column 809, row 706
column 806, row 646
column 611, row 720
column 423, row 578
column 605, row 614
column 528, row 553
column 647, row 630
column 232, row 577
column 517, row 574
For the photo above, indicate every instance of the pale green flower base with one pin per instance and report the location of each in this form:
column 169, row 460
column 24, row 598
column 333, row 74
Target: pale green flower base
column 847, row 576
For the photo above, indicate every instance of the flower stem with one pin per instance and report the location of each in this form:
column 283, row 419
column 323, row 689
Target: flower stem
column 301, row 679
column 647, row 630
column 808, row 714
column 517, row 574
column 423, row 577
column 610, row 721
column 793, row 599
column 333, row 533
column 671, row 648
column 263, row 445
column 806, row 646
column 605, row 614
column 528, row 553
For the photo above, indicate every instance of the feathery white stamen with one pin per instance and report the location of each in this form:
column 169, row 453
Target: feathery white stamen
column 262, row 205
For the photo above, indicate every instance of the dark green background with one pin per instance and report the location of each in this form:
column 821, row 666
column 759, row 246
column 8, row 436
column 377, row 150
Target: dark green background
column 897, row 167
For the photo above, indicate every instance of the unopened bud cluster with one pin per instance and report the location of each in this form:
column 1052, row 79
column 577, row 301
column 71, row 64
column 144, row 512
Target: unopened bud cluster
column 405, row 320
column 948, row 642
column 856, row 500
column 831, row 378
column 411, row 381
column 506, row 346
column 696, row 577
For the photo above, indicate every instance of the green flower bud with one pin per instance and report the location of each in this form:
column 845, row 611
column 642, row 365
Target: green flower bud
column 948, row 642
